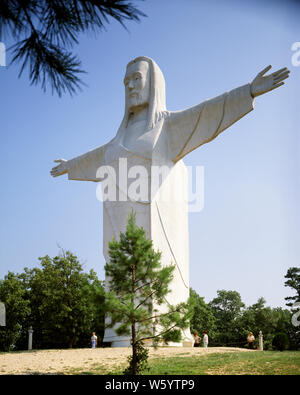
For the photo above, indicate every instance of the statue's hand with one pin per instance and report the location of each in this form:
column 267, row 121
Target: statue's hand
column 266, row 83
column 60, row 169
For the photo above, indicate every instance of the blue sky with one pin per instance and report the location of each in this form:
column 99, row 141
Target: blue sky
column 247, row 235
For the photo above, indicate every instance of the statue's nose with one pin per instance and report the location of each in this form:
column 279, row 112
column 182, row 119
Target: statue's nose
column 130, row 84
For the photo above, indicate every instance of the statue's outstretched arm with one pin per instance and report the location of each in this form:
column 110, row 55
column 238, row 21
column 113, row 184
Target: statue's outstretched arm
column 83, row 167
column 191, row 128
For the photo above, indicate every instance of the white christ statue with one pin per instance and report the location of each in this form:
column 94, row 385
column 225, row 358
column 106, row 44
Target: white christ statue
column 151, row 137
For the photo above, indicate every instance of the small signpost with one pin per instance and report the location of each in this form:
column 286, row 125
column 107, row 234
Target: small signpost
column 261, row 343
column 30, row 332
column 2, row 314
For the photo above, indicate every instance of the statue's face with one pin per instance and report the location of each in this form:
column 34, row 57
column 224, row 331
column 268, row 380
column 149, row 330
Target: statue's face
column 137, row 85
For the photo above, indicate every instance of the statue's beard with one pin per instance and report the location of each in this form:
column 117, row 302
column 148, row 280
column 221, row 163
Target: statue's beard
column 136, row 102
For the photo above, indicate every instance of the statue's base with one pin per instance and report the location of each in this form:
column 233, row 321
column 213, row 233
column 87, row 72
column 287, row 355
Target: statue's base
column 110, row 338
column 148, row 343
column 188, row 343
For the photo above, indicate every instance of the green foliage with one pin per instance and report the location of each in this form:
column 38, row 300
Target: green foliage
column 172, row 336
column 203, row 316
column 227, row 305
column 44, row 31
column 12, row 292
column 293, row 281
column 227, row 310
column 64, row 301
column 138, row 363
column 138, row 286
column 229, row 322
column 61, row 303
column 281, row 341
column 269, row 320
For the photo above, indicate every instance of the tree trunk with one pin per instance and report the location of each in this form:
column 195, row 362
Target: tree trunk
column 134, row 361
column 133, row 328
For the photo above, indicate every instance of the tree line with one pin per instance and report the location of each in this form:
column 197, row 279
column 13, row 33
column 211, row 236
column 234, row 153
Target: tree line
column 64, row 306
column 61, row 303
column 228, row 321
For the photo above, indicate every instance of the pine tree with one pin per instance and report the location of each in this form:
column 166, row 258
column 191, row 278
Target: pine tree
column 293, row 281
column 45, row 30
column 138, row 283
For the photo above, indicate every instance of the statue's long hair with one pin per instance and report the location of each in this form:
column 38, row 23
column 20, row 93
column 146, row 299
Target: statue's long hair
column 157, row 101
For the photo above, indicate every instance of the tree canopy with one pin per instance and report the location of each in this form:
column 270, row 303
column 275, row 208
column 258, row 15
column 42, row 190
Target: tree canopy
column 63, row 304
column 203, row 317
column 228, row 321
column 12, row 294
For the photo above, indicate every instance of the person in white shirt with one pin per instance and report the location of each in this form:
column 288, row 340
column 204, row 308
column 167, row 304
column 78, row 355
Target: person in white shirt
column 94, row 340
column 205, row 339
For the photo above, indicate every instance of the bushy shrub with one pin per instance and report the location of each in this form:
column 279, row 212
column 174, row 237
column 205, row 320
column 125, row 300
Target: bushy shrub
column 268, row 343
column 141, row 361
column 172, row 336
column 281, row 342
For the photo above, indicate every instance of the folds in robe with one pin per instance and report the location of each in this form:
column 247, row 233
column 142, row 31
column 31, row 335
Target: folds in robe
column 85, row 167
column 191, row 128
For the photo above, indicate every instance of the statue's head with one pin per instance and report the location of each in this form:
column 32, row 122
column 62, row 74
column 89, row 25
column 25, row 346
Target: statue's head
column 137, row 85
column 144, row 86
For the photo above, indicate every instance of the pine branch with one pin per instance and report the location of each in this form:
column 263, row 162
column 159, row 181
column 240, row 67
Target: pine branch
column 161, row 315
column 159, row 335
column 144, row 285
column 48, row 63
column 44, row 29
column 141, row 303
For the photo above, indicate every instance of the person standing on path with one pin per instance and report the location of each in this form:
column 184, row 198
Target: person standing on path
column 205, row 339
column 94, row 340
column 197, row 340
column 250, row 340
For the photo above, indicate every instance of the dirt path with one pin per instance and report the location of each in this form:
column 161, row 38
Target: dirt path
column 71, row 361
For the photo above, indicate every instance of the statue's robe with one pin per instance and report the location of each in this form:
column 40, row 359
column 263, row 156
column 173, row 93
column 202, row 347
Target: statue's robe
column 164, row 213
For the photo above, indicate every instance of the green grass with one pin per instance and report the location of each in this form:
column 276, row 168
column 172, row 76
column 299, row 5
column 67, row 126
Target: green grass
column 236, row 363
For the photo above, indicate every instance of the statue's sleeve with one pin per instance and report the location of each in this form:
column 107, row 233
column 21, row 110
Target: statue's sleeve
column 188, row 129
column 85, row 167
